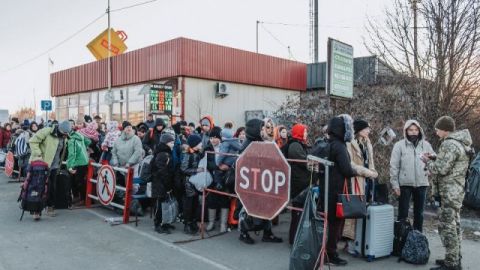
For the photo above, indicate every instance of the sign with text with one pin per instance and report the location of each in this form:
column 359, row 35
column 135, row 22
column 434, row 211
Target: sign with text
column 339, row 69
column 263, row 180
column 161, row 99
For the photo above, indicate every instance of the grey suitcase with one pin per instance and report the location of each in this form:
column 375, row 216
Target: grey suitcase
column 374, row 233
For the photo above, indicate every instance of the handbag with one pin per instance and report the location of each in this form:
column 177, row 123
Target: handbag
column 169, row 209
column 350, row 206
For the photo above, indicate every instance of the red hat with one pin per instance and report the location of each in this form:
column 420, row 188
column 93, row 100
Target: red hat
column 298, row 130
column 90, row 131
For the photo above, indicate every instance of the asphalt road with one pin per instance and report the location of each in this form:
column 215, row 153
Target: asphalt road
column 81, row 239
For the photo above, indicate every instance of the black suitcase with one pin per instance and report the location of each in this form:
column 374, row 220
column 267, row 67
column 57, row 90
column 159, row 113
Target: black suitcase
column 63, row 186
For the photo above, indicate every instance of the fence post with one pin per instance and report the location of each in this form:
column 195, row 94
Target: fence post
column 128, row 196
column 88, row 200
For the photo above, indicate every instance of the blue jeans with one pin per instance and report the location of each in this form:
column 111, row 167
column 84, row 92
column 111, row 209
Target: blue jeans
column 419, row 198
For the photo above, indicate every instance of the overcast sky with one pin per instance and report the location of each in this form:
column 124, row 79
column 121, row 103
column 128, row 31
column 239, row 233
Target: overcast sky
column 30, row 27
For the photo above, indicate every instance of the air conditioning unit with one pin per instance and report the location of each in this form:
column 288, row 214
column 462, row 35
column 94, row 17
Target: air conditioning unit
column 222, row 90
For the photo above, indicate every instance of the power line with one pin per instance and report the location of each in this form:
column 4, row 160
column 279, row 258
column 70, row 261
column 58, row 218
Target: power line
column 279, row 41
column 132, row 6
column 55, row 46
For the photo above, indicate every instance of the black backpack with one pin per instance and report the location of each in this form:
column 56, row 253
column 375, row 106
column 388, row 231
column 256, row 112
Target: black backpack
column 33, row 194
column 472, row 185
column 416, row 249
column 401, row 230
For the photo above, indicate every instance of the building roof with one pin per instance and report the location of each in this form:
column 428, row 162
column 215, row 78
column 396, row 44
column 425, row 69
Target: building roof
column 183, row 57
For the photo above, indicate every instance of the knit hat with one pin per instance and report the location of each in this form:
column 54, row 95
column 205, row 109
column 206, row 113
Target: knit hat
column 193, row 140
column 166, row 138
column 90, row 131
column 65, row 127
column 298, row 131
column 126, row 124
column 359, row 125
column 87, row 118
column 227, row 133
column 445, row 123
column 215, row 133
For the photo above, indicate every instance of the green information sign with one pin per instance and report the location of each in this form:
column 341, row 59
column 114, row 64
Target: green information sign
column 340, row 69
column 161, row 99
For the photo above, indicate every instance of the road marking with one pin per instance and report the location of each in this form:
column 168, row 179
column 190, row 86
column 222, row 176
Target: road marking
column 168, row 244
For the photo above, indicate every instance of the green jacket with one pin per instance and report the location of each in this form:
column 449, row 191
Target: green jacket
column 451, row 166
column 44, row 145
column 77, row 150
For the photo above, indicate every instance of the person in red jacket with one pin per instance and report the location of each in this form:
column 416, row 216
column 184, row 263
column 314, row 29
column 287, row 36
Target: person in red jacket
column 5, row 135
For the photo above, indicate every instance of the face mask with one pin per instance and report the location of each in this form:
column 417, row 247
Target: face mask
column 412, row 138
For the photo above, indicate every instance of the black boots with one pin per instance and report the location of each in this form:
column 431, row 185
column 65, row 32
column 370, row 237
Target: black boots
column 270, row 238
column 191, row 228
column 245, row 237
column 334, row 259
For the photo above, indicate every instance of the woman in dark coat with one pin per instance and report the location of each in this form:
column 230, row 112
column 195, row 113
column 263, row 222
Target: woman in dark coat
column 340, row 131
column 300, row 175
column 162, row 181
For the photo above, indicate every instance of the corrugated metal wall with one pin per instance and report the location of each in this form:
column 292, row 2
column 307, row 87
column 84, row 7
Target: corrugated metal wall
column 183, row 57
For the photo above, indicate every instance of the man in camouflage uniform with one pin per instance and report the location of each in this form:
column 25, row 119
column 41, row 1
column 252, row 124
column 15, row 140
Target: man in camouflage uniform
column 450, row 165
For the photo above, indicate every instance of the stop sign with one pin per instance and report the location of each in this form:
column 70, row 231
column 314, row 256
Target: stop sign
column 9, row 164
column 262, row 180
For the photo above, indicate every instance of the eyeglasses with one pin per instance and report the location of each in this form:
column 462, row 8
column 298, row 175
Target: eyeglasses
column 268, row 127
column 204, row 125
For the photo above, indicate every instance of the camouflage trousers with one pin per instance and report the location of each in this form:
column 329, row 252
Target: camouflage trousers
column 450, row 234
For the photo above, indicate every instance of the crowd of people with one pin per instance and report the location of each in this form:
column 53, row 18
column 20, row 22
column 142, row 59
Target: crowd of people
column 178, row 151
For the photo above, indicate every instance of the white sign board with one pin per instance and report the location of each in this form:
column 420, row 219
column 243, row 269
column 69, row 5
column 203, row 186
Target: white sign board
column 106, row 184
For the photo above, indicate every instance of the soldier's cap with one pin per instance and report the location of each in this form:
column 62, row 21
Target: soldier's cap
column 445, row 123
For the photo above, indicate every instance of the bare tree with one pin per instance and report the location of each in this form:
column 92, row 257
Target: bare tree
column 448, row 54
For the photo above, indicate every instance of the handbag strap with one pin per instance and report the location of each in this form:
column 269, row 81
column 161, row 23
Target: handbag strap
column 345, row 189
column 357, row 189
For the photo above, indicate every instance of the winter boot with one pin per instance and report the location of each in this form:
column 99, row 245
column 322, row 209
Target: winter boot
column 162, row 229
column 211, row 219
column 223, row 219
column 269, row 237
column 245, row 237
column 190, row 228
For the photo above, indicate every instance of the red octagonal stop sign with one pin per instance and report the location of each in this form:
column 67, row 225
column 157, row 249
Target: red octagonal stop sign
column 263, row 180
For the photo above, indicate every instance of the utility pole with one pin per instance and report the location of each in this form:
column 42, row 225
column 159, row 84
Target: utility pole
column 415, row 44
column 109, row 80
column 257, row 35
column 315, row 30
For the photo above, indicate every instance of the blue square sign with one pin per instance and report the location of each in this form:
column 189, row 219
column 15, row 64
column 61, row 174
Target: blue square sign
column 46, row 105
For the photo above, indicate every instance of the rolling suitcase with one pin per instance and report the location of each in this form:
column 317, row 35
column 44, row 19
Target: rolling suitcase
column 374, row 233
column 63, row 185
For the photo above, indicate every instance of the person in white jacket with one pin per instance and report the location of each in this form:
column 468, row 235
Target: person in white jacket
column 407, row 172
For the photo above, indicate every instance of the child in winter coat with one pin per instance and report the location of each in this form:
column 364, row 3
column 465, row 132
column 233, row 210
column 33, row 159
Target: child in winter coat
column 229, row 145
column 189, row 167
column 112, row 135
column 162, row 181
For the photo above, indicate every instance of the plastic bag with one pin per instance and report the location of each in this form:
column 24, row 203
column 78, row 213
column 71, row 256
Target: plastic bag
column 308, row 239
column 203, row 179
column 169, row 210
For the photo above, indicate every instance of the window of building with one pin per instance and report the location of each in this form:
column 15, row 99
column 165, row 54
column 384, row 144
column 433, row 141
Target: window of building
column 62, row 114
column 136, row 105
